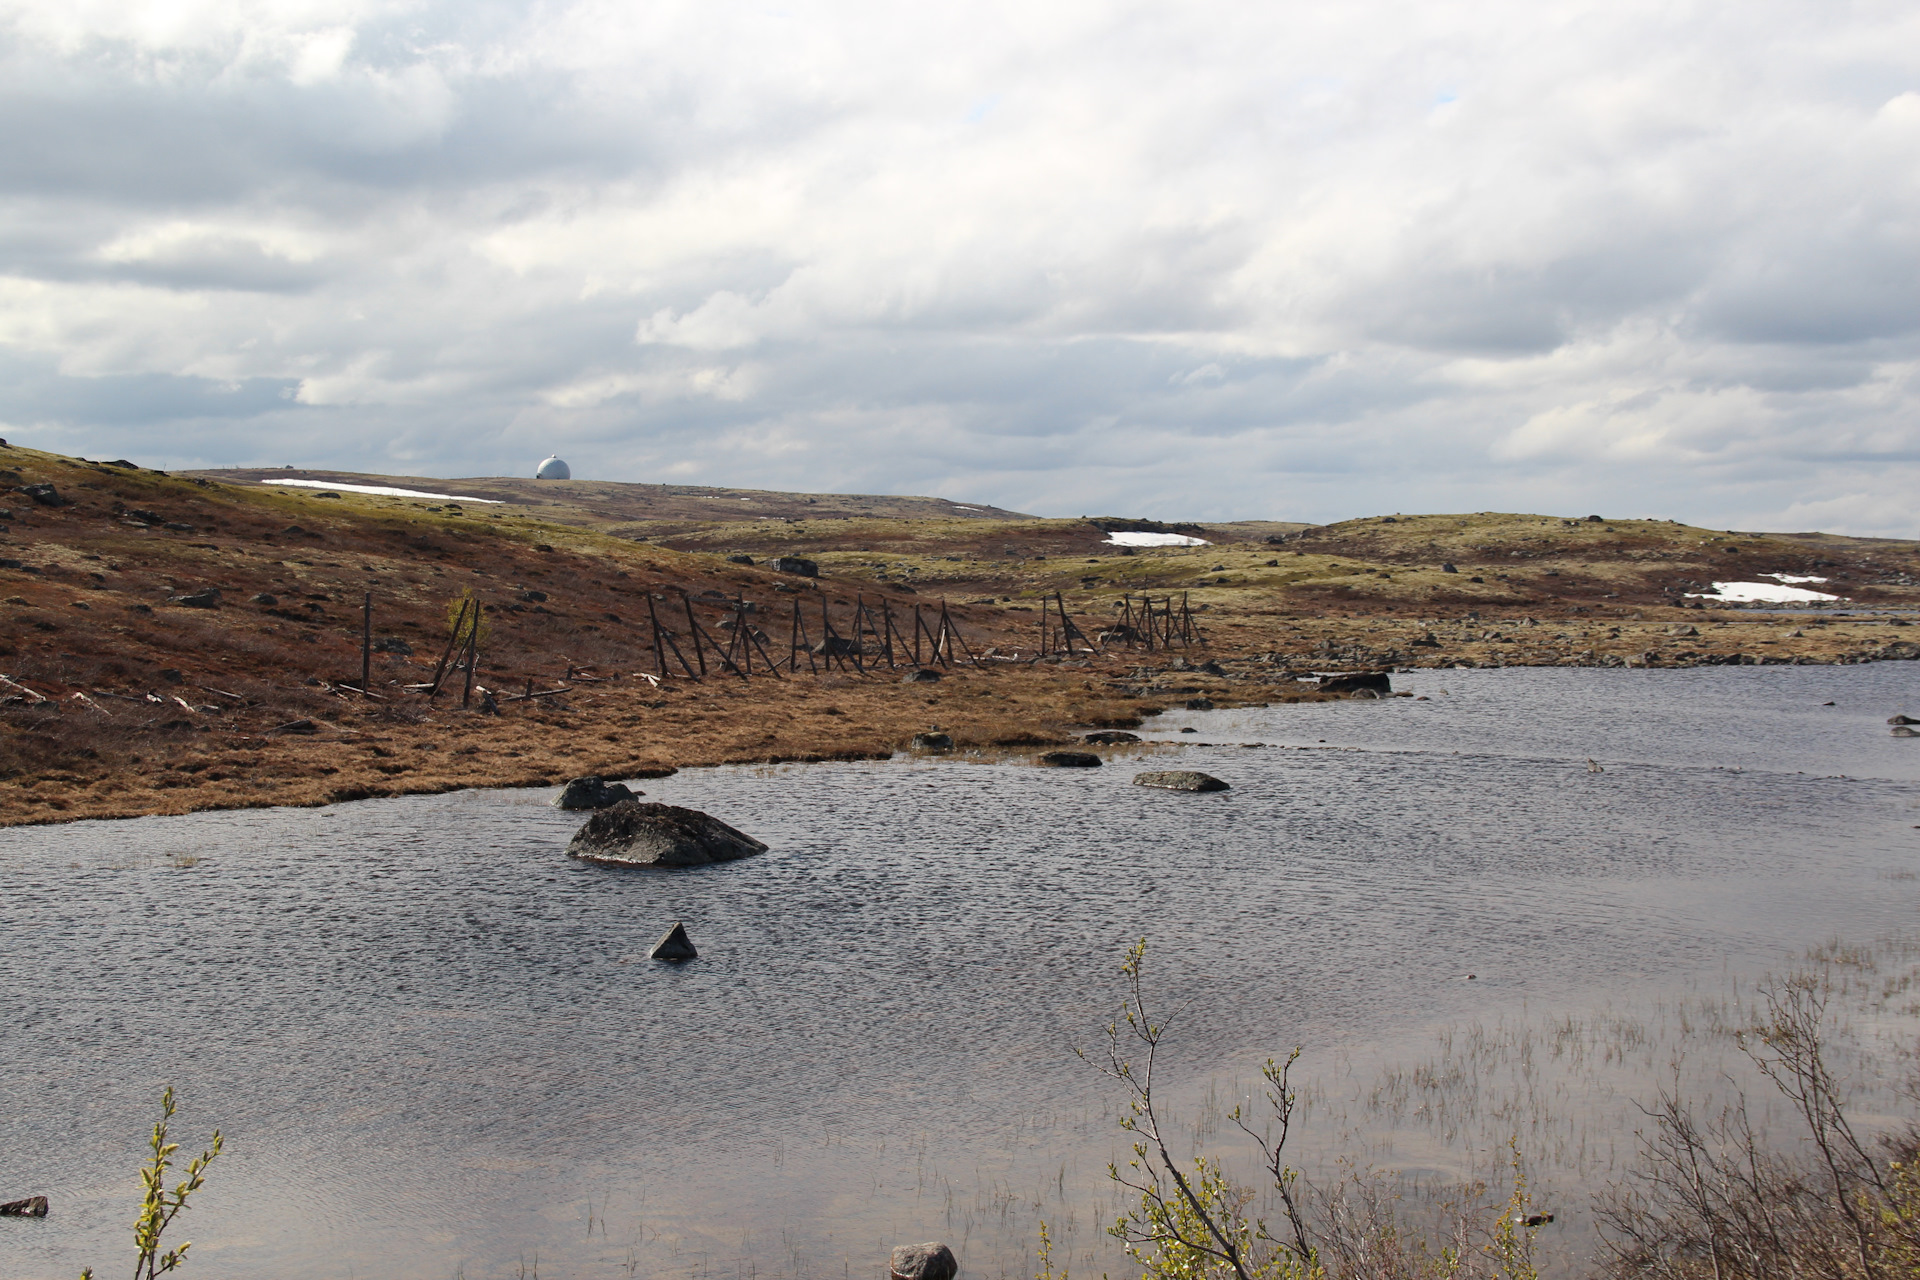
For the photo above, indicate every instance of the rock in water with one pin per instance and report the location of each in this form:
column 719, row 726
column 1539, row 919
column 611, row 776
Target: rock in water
column 674, row 945
column 1108, row 737
column 633, row 834
column 1180, row 780
column 932, row 742
column 1354, row 682
column 930, row 1261
column 1901, row 731
column 593, row 793
column 1070, row 760
column 1898, row 719
column 36, row 1207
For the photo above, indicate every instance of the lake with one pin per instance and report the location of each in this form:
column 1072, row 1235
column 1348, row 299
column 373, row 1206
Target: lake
column 437, row 1048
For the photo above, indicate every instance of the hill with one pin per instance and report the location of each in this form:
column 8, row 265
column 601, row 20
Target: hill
column 183, row 642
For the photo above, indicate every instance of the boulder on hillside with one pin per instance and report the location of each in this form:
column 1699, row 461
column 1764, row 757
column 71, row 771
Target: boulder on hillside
column 44, row 494
column 794, row 565
column 208, row 599
column 633, row 834
column 1069, row 760
column 593, row 793
column 932, row 742
column 923, row 675
column 930, row 1261
column 1180, row 780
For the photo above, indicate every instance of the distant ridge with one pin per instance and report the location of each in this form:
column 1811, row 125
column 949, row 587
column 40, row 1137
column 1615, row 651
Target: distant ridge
column 601, row 503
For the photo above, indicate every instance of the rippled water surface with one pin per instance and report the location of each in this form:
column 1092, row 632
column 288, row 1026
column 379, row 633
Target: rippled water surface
column 436, row 1046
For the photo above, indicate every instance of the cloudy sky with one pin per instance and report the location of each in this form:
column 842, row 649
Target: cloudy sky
column 1166, row 257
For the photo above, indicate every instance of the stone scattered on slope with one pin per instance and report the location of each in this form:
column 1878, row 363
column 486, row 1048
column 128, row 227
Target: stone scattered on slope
column 593, row 793
column 924, row 675
column 636, row 834
column 1180, row 780
column 674, row 945
column 1110, row 737
column 794, row 565
column 932, row 742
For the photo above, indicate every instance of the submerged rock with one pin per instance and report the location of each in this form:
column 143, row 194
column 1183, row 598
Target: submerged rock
column 930, row 1261
column 633, row 834
column 1109, row 737
column 674, row 945
column 1070, row 760
column 1180, row 780
column 593, row 793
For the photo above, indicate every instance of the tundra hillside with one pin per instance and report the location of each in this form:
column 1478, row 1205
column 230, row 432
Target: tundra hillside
column 180, row 642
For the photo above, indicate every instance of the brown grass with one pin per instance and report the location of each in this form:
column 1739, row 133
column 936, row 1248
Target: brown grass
column 123, row 703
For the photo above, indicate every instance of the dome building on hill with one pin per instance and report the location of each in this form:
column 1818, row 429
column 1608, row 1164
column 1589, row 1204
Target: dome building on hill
column 553, row 469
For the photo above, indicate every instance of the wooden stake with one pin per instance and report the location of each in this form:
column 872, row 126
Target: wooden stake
column 453, row 638
column 693, row 633
column 366, row 644
column 473, row 655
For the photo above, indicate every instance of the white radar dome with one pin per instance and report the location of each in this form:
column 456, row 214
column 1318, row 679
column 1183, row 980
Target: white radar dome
column 553, row 469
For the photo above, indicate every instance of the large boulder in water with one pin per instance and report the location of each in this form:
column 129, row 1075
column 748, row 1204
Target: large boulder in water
column 633, row 834
column 593, row 793
column 1069, row 760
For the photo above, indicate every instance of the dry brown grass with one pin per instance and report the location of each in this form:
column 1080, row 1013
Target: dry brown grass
column 124, row 703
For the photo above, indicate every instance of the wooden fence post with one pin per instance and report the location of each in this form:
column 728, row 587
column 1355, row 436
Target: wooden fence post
column 366, row 644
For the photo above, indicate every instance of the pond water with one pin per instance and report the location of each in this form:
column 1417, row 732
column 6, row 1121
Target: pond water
column 437, row 1048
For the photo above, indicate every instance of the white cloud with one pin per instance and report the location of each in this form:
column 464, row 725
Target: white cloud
column 1205, row 259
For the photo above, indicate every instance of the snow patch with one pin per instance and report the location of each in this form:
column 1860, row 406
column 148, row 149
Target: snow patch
column 1154, row 540
column 1762, row 593
column 1787, row 577
column 383, row 490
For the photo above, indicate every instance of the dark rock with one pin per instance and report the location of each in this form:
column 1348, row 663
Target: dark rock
column 1180, row 780
column 1355, row 681
column 31, row 1207
column 1901, row 731
column 739, row 559
column 122, row 462
column 1448, row 568
column 1594, row 520
column 208, row 599
column 592, row 793
column 1200, row 704
column 1070, row 760
column 836, row 646
column 295, row 726
column 633, row 834
column 265, row 598
column 674, row 945
column 1212, row 668
column 1107, row 737
column 44, row 494
column 1897, row 719
column 393, row 644
column 794, row 565
column 930, row 1261
column 1189, row 729
column 925, row 675
column 171, row 675
column 932, row 742
column 534, row 597
column 177, row 527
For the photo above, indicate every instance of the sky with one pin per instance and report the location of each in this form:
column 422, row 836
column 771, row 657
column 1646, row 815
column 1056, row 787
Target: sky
column 1181, row 259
